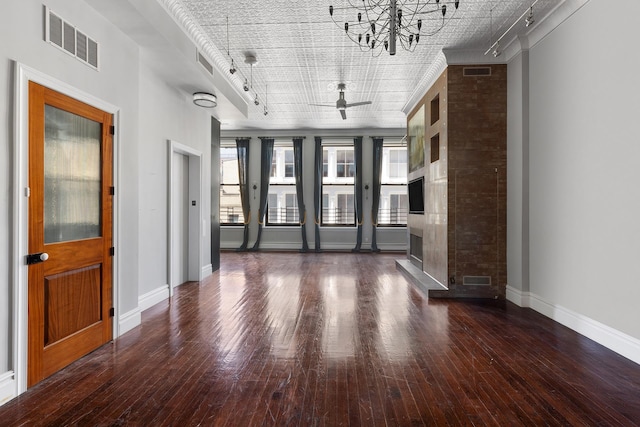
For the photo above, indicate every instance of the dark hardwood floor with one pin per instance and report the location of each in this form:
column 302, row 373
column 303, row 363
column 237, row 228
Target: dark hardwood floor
column 334, row 339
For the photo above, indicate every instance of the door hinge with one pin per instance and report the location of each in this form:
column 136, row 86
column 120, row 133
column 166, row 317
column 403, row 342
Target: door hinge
column 112, row 191
column 112, row 312
column 112, row 251
column 112, row 130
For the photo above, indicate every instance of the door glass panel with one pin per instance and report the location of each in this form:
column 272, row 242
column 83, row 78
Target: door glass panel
column 71, row 176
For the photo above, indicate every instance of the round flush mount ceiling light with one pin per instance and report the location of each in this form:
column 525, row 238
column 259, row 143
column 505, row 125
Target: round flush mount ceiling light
column 205, row 99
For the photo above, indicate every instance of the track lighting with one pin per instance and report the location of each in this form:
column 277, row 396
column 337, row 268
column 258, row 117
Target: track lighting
column 529, row 19
column 527, row 15
column 266, row 99
column 497, row 52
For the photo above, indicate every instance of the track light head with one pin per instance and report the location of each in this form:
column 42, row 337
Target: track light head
column 497, row 52
column 529, row 20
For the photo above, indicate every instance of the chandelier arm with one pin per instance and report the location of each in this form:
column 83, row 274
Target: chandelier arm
column 377, row 28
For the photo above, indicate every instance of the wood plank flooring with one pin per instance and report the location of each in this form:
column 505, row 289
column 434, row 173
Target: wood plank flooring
column 334, row 339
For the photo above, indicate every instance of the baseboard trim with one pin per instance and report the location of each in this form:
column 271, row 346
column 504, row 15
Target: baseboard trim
column 153, row 297
column 129, row 320
column 623, row 344
column 206, row 271
column 8, row 387
column 518, row 297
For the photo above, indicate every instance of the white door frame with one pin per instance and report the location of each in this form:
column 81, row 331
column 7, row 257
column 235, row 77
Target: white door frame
column 195, row 212
column 19, row 241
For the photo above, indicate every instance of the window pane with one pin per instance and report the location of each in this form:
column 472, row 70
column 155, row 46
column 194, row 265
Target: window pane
column 282, row 166
column 229, row 166
column 230, row 205
column 283, row 205
column 338, row 205
column 288, row 163
column 325, row 163
column 345, row 166
column 71, row 176
column 394, row 205
column 395, row 163
column 230, row 202
column 338, row 165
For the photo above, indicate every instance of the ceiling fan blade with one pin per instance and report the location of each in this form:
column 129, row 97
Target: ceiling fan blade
column 355, row 104
column 324, row 105
column 343, row 113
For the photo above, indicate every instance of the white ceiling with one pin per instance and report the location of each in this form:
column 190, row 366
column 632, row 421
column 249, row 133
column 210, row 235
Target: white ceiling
column 302, row 56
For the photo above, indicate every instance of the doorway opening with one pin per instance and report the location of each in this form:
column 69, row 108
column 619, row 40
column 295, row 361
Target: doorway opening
column 184, row 215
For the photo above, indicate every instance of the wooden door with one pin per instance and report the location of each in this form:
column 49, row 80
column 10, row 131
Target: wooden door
column 70, row 220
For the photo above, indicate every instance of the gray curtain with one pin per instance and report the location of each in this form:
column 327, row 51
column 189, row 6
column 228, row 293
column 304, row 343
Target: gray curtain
column 357, row 150
column 317, row 188
column 302, row 213
column 242, row 147
column 266, row 157
column 375, row 190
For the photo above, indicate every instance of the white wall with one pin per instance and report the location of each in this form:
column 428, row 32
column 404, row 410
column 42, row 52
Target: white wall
column 150, row 111
column 166, row 113
column 584, row 174
column 338, row 238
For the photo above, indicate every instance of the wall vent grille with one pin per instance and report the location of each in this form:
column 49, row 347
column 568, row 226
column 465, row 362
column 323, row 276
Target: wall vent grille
column 69, row 39
column 205, row 63
column 476, row 71
column 476, row 280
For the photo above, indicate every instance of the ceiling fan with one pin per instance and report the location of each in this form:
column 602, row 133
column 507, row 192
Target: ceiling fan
column 341, row 103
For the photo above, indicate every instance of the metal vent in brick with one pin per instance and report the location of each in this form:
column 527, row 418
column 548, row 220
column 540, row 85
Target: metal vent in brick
column 476, row 71
column 205, row 63
column 68, row 38
column 476, row 280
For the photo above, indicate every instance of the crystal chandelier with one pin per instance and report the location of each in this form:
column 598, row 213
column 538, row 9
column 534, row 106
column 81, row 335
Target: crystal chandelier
column 382, row 24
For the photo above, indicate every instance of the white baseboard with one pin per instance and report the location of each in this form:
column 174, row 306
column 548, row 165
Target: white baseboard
column 517, row 297
column 206, row 271
column 153, row 297
column 8, row 387
column 129, row 320
column 614, row 340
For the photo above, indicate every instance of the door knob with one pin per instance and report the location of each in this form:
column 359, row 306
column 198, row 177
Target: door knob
column 37, row 258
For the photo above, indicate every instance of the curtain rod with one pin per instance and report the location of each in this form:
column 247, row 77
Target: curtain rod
column 282, row 137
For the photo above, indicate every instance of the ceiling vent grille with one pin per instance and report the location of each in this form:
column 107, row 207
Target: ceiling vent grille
column 476, row 71
column 68, row 38
column 205, row 63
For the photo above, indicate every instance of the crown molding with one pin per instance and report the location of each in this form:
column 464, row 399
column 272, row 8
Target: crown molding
column 433, row 72
column 512, row 48
column 199, row 37
column 553, row 20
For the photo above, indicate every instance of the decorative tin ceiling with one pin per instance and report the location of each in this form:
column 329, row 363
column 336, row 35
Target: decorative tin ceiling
column 302, row 56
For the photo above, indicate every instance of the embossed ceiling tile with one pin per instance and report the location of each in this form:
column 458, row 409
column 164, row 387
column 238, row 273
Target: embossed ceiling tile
column 302, row 56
